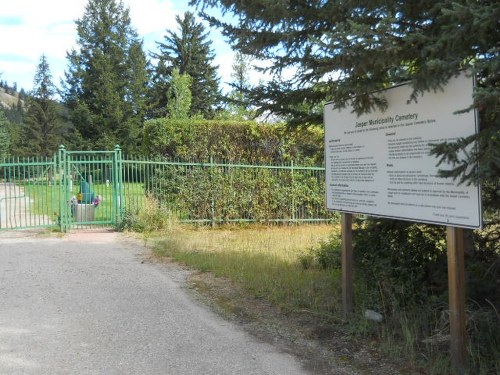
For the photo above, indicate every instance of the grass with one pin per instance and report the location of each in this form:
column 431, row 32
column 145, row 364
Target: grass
column 265, row 261
column 45, row 198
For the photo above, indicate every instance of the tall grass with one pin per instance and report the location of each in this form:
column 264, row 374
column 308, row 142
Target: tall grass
column 265, row 261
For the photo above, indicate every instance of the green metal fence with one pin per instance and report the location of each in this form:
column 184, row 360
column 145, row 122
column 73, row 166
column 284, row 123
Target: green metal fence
column 28, row 193
column 225, row 192
column 77, row 189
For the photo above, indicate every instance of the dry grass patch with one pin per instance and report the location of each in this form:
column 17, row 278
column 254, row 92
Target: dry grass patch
column 265, row 261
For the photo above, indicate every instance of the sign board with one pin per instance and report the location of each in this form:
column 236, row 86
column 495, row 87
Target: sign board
column 379, row 163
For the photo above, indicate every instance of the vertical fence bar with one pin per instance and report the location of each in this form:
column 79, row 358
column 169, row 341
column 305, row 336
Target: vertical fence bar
column 26, row 182
column 212, row 196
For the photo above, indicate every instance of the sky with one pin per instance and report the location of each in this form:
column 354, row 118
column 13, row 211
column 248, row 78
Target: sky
column 30, row 28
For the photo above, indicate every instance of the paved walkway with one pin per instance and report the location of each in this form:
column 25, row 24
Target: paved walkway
column 86, row 303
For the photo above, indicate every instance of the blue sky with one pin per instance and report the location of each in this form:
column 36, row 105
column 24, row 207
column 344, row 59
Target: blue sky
column 30, row 28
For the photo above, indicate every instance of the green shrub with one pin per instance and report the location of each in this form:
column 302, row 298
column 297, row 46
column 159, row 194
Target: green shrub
column 402, row 262
column 328, row 253
column 237, row 141
column 152, row 217
column 401, row 271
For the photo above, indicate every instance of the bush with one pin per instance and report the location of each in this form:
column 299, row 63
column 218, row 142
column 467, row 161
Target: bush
column 152, row 217
column 236, row 141
column 401, row 271
column 223, row 193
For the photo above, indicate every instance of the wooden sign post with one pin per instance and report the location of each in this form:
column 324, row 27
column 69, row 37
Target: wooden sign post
column 347, row 265
column 456, row 287
column 379, row 163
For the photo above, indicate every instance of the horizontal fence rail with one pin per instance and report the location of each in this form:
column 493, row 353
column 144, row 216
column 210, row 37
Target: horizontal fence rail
column 227, row 192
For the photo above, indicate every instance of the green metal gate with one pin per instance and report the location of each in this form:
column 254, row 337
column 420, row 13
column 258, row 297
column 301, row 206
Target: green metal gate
column 75, row 189
column 91, row 187
column 28, row 193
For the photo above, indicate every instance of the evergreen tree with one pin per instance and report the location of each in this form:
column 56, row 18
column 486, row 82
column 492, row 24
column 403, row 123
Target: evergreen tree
column 189, row 51
column 239, row 105
column 44, row 129
column 107, row 78
column 4, row 136
column 179, row 95
column 343, row 50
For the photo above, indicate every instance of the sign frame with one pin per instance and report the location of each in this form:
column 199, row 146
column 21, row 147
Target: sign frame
column 400, row 181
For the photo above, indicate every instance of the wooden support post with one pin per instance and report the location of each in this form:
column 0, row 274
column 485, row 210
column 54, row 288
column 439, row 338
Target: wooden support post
column 456, row 287
column 347, row 265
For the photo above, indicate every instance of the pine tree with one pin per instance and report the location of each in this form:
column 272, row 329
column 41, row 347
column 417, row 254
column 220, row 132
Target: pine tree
column 189, row 51
column 43, row 126
column 343, row 50
column 4, row 136
column 107, row 78
column 238, row 101
column 179, row 95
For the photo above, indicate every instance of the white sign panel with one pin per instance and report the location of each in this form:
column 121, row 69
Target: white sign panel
column 379, row 163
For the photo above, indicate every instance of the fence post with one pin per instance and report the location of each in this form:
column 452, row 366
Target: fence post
column 62, row 188
column 53, row 180
column 121, row 183
column 117, row 185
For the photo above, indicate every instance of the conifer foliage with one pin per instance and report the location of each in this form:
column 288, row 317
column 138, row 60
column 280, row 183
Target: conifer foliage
column 344, row 49
column 4, row 136
column 189, row 51
column 106, row 79
column 44, row 128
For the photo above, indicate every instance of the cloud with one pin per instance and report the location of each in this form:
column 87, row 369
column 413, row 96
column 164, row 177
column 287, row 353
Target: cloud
column 30, row 28
column 40, row 27
column 7, row 20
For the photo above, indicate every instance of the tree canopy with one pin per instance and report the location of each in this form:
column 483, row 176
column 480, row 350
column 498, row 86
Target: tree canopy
column 4, row 136
column 340, row 50
column 44, row 129
column 179, row 95
column 189, row 51
column 106, row 80
column 238, row 102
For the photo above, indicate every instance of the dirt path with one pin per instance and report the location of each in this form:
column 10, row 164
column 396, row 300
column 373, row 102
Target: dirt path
column 91, row 303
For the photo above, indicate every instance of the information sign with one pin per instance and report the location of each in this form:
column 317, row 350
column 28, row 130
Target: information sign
column 379, row 163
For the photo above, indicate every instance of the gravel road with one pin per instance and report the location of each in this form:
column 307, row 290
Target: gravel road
column 86, row 303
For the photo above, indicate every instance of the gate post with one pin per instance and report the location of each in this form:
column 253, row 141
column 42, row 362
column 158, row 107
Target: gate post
column 118, row 183
column 62, row 189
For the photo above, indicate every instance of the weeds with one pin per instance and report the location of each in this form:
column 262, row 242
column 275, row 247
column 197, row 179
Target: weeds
column 152, row 217
column 266, row 262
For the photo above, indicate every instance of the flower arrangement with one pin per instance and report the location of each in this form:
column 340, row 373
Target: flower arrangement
column 97, row 200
